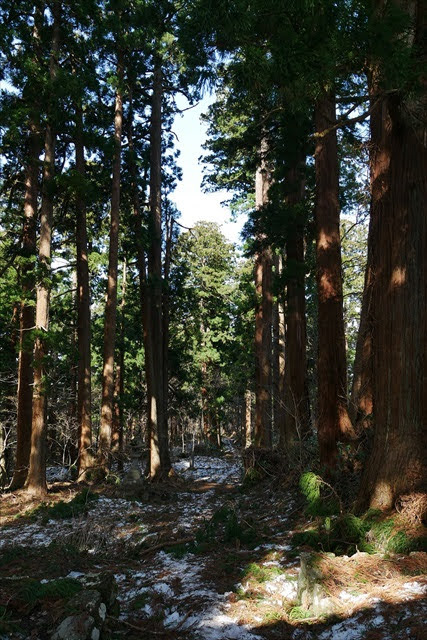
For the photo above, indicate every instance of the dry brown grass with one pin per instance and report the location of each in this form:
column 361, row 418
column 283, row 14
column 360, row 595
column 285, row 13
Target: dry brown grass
column 413, row 507
column 373, row 575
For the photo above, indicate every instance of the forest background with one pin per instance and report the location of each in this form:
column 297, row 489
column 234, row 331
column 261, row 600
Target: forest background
column 118, row 323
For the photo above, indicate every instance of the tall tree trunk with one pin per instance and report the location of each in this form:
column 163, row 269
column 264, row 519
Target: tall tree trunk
column 84, row 391
column 106, row 421
column 297, row 406
column 144, row 293
column 159, row 449
column 263, row 316
column 333, row 420
column 27, row 316
column 166, row 310
column 26, row 321
column 117, row 435
column 398, row 241
column 361, row 404
column 278, row 386
column 248, row 418
column 36, row 478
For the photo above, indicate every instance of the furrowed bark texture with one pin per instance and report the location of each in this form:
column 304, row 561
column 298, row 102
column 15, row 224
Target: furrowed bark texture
column 84, row 383
column 110, row 317
column 36, row 478
column 278, row 366
column 297, row 407
column 117, row 434
column 398, row 241
column 144, row 294
column 263, row 317
column 333, row 420
column 160, row 464
column 27, row 315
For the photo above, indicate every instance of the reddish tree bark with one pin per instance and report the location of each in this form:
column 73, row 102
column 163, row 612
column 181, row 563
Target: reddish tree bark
column 333, row 419
column 84, row 385
column 27, row 315
column 296, row 401
column 36, row 478
column 398, row 241
column 117, row 432
column 160, row 464
column 263, row 314
column 110, row 316
column 263, row 344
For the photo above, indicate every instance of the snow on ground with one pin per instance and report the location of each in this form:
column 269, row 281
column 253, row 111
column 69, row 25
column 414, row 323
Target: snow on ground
column 209, row 469
column 125, row 519
column 186, row 600
column 179, row 589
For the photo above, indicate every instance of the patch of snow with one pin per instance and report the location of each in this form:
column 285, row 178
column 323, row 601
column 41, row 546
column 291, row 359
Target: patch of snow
column 415, row 588
column 162, row 587
column 283, row 587
column 345, row 596
column 276, row 547
column 216, row 625
column 172, row 619
column 209, row 469
column 350, row 629
column 57, row 474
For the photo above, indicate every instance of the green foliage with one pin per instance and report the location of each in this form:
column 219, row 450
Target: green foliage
column 317, row 505
column 260, row 573
column 140, row 601
column 299, row 613
column 33, row 590
column 224, row 528
column 347, row 533
column 7, row 624
column 61, row 510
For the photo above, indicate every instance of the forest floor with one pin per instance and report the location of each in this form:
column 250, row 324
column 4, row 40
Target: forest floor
column 201, row 558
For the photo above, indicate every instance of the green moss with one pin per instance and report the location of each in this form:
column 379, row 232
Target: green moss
column 7, row 624
column 400, row 542
column 140, row 601
column 32, row 590
column 317, row 505
column 298, row 613
column 11, row 554
column 260, row 573
column 271, row 616
column 178, row 551
column 225, row 527
column 62, row 510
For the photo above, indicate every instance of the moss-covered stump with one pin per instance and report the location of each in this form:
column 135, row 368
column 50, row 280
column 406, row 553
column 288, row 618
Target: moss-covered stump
column 312, row 593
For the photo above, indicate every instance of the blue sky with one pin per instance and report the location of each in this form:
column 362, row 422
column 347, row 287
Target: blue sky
column 188, row 196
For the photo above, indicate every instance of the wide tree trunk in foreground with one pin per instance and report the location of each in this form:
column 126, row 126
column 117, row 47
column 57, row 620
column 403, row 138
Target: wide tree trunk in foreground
column 160, row 464
column 36, row 478
column 84, row 392
column 110, row 316
column 333, row 419
column 296, row 401
column 263, row 317
column 398, row 241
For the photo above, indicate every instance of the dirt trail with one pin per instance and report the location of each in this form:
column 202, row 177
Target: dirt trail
column 234, row 582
